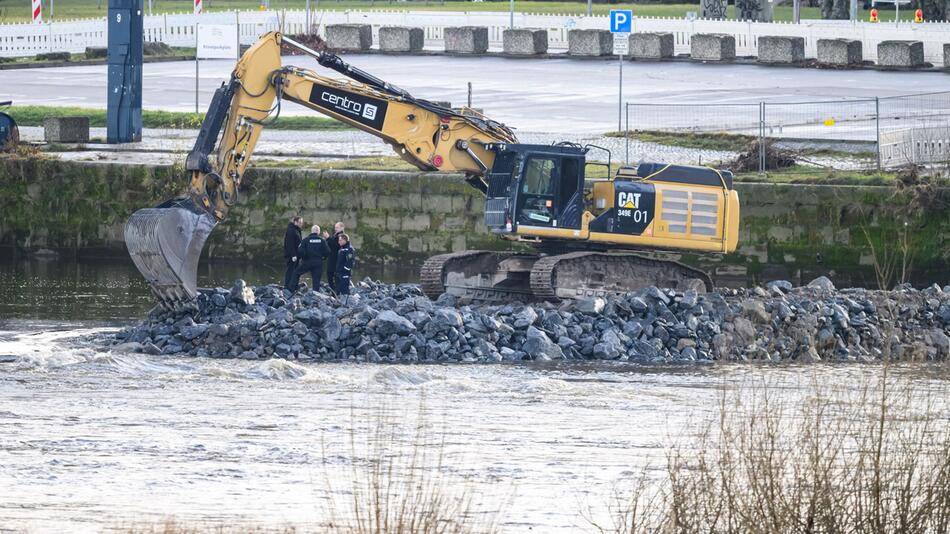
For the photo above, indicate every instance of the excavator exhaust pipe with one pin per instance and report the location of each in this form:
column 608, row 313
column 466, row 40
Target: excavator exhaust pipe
column 165, row 243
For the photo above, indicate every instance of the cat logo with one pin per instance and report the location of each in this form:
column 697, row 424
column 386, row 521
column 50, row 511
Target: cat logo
column 628, row 200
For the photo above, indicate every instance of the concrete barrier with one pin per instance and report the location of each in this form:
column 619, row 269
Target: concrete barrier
column 349, row 36
column 900, row 54
column 651, row 45
column 66, row 129
column 96, row 52
column 401, row 39
column 589, row 43
column 840, row 52
column 781, row 50
column 466, row 40
column 712, row 47
column 525, row 42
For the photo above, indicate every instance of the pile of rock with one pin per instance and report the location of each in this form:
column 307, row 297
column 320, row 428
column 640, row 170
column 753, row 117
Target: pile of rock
column 397, row 323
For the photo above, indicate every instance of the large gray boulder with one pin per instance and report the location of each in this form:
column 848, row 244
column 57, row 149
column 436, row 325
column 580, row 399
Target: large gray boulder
column 525, row 41
column 712, row 47
column 540, row 347
column 589, row 43
column 651, row 45
column 466, row 40
column 389, row 322
column 352, row 37
column 401, row 39
column 781, row 50
column 900, row 54
column 840, row 52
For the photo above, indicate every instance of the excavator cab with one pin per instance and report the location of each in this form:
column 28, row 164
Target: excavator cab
column 536, row 186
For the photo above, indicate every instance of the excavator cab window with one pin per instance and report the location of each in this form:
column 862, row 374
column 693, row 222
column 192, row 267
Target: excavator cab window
column 538, row 194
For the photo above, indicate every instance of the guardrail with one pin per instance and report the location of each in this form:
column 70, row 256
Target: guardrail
column 26, row 39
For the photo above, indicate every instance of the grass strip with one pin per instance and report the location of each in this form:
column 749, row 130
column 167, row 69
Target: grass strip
column 34, row 116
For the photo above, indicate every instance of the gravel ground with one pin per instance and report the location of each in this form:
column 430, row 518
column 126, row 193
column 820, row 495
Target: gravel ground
column 170, row 145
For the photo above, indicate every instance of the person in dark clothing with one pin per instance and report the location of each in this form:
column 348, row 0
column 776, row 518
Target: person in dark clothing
column 291, row 242
column 344, row 265
column 312, row 251
column 334, row 245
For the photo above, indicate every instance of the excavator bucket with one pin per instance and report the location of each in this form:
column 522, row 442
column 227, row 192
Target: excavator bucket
column 165, row 243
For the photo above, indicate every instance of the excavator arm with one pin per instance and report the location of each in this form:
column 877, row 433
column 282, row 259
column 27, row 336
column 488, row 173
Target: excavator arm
column 165, row 242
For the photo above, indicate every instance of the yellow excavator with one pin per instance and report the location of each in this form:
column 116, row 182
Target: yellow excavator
column 582, row 230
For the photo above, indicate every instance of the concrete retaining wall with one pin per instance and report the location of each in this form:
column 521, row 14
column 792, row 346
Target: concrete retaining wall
column 525, row 42
column 466, row 40
column 589, row 43
column 401, row 39
column 781, row 50
column 651, row 45
column 80, row 208
column 350, row 36
column 712, row 47
column 840, row 52
column 900, row 54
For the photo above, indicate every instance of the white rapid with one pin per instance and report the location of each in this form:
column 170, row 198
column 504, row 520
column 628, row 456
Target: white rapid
column 93, row 440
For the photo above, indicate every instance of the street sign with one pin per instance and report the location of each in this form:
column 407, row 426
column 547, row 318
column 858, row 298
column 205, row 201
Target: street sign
column 621, row 44
column 621, row 21
column 217, row 41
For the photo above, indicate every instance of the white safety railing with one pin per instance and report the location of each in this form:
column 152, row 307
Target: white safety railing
column 178, row 29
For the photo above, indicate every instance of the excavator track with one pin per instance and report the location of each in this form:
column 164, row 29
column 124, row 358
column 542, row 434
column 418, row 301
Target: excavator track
column 486, row 277
column 479, row 276
column 598, row 274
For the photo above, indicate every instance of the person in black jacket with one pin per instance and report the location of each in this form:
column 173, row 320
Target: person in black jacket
column 291, row 242
column 344, row 265
column 312, row 251
column 334, row 244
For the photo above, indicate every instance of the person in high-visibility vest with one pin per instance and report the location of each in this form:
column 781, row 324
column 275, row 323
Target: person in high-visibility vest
column 874, row 16
column 919, row 16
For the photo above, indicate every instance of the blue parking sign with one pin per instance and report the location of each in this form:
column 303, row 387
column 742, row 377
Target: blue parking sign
column 621, row 20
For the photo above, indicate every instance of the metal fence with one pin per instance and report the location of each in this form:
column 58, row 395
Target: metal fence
column 860, row 133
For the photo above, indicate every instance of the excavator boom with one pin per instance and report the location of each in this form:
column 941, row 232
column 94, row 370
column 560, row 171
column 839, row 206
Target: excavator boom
column 166, row 242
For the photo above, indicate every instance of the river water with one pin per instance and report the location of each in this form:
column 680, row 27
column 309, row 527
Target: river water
column 91, row 440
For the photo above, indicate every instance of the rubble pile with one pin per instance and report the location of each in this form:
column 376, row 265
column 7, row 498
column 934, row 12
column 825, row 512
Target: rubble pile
column 397, row 323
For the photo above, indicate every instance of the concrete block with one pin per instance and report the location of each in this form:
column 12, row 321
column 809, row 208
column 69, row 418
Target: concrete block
column 66, row 129
column 651, row 45
column 712, row 47
column 712, row 9
column 840, row 52
column 906, row 54
column 946, row 55
column 401, row 39
column 758, row 11
column 781, row 49
column 466, row 40
column 590, row 43
column 96, row 52
column 349, row 36
column 525, row 42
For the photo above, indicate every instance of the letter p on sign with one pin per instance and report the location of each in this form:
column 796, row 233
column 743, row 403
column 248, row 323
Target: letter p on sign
column 621, row 20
